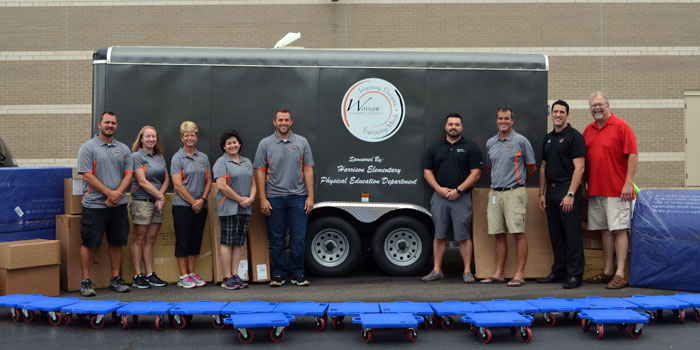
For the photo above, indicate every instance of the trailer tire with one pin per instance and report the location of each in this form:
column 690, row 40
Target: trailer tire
column 401, row 246
column 333, row 247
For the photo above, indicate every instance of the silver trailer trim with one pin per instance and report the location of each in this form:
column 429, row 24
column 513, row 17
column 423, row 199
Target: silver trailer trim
column 307, row 58
column 370, row 212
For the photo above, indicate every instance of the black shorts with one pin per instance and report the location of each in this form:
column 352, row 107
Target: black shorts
column 95, row 222
column 189, row 228
column 234, row 229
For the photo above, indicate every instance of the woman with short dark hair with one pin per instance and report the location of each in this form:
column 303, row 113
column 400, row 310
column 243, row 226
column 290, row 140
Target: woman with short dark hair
column 233, row 174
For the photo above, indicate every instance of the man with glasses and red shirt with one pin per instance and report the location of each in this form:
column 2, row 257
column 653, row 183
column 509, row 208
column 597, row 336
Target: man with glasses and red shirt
column 611, row 163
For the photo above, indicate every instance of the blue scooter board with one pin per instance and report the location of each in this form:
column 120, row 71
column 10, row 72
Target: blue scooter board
column 158, row 308
column 549, row 306
column 276, row 321
column 604, row 303
column 50, row 305
column 306, row 308
column 416, row 309
column 693, row 300
column 655, row 305
column 248, row 307
column 181, row 314
column 338, row 311
column 481, row 322
column 620, row 317
column 11, row 301
column 446, row 309
column 503, row 305
column 96, row 309
column 403, row 320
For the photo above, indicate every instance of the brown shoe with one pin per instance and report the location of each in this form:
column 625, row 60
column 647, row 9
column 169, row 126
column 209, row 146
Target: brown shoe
column 600, row 278
column 617, row 283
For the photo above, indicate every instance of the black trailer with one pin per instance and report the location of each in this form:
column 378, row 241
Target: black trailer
column 369, row 117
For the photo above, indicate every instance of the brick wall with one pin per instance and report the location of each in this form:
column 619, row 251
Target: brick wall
column 633, row 51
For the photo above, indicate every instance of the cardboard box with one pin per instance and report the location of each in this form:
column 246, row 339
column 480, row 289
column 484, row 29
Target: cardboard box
column 30, row 280
column 539, row 257
column 164, row 262
column 215, row 236
column 68, row 233
column 72, row 196
column 29, row 253
column 591, row 239
column 595, row 262
column 258, row 246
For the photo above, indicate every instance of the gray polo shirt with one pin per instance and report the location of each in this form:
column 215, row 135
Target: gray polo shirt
column 284, row 161
column 153, row 166
column 193, row 171
column 239, row 176
column 508, row 159
column 109, row 163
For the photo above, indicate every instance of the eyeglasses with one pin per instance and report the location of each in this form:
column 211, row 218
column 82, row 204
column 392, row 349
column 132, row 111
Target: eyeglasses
column 598, row 105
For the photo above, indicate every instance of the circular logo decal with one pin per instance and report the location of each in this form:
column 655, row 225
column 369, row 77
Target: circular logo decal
column 373, row 110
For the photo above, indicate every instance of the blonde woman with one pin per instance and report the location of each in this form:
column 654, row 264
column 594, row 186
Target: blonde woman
column 191, row 174
column 147, row 201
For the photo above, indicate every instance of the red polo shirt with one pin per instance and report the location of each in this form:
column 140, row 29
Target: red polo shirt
column 607, row 150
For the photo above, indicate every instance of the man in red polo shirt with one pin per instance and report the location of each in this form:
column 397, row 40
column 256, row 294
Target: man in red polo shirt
column 611, row 162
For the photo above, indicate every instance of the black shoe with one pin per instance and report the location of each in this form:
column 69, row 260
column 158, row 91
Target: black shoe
column 552, row 278
column 117, row 284
column 300, row 281
column 154, row 281
column 573, row 282
column 86, row 289
column 140, row 282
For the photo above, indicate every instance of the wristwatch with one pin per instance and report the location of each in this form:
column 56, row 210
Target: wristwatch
column 570, row 194
column 459, row 191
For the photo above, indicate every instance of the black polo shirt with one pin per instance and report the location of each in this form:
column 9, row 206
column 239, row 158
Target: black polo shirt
column 559, row 150
column 452, row 163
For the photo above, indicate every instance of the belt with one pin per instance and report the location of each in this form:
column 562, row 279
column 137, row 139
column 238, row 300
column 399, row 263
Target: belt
column 503, row 189
column 152, row 200
column 555, row 185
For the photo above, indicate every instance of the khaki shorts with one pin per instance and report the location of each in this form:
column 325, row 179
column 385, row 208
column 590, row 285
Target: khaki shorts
column 144, row 213
column 609, row 213
column 506, row 211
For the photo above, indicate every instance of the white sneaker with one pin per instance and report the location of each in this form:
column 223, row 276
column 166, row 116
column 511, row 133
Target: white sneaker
column 197, row 280
column 186, row 282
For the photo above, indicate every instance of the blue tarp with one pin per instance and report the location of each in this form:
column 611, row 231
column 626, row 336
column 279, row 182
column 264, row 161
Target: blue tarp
column 31, row 198
column 665, row 245
column 48, row 233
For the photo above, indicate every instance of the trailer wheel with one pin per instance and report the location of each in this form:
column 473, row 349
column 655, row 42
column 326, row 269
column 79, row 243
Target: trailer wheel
column 401, row 246
column 332, row 247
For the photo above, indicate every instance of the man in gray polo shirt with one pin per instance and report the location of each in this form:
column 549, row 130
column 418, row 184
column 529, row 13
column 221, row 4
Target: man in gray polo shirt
column 106, row 167
column 285, row 180
column 512, row 161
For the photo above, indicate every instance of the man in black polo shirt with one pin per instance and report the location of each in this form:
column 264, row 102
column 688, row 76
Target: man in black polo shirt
column 452, row 167
column 563, row 163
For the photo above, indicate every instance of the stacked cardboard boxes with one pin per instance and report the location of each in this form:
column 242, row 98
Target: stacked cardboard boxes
column 30, row 267
column 68, row 233
column 164, row 261
column 539, row 257
column 255, row 260
column 258, row 246
column 215, row 236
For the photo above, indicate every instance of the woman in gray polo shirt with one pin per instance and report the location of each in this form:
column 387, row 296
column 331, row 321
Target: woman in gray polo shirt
column 147, row 201
column 234, row 178
column 191, row 175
